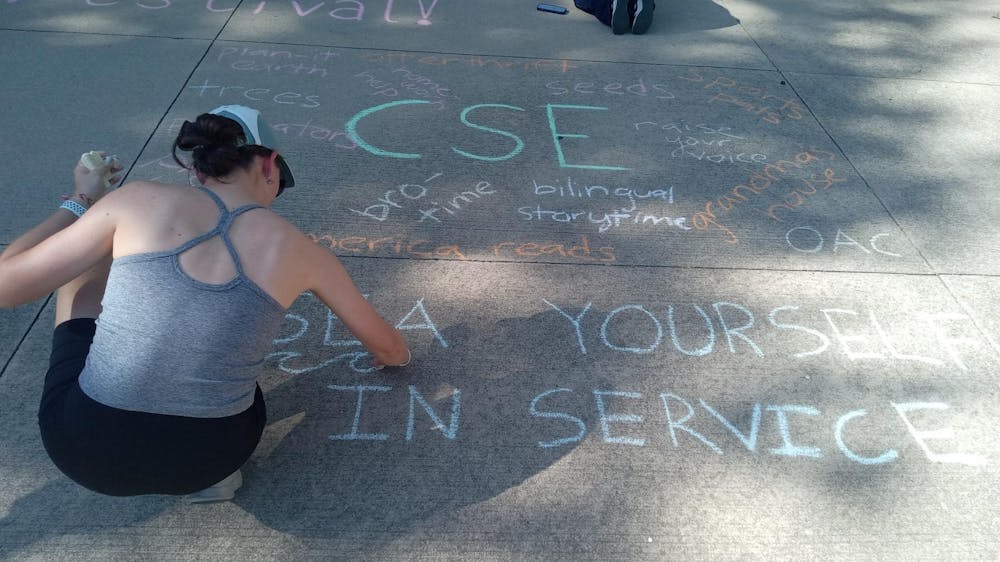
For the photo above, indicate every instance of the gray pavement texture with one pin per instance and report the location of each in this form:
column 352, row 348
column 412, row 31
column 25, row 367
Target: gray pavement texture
column 725, row 291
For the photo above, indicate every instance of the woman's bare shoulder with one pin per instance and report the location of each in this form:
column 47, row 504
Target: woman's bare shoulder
column 144, row 193
column 279, row 226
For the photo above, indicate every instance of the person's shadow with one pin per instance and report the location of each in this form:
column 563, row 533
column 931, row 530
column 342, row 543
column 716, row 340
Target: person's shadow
column 682, row 16
column 368, row 458
column 373, row 457
column 60, row 507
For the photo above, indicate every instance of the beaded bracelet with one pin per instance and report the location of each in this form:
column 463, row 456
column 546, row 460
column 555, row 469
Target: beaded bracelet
column 73, row 207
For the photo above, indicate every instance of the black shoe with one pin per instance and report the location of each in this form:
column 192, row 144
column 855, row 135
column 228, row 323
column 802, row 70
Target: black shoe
column 643, row 16
column 619, row 16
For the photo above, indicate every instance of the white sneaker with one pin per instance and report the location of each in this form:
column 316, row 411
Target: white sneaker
column 219, row 492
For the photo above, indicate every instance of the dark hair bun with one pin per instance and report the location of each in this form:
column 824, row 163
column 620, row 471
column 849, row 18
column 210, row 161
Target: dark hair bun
column 216, row 144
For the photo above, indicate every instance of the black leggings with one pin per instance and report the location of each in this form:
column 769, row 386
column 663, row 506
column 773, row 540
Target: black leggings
column 124, row 453
column 600, row 9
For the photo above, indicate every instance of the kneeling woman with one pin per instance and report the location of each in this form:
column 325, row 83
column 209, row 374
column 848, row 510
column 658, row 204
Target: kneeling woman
column 168, row 299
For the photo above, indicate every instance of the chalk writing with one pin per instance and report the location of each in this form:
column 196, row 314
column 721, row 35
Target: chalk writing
column 922, row 436
column 389, row 245
column 636, row 88
column 797, row 197
column 307, row 101
column 857, row 335
column 749, row 97
column 788, row 449
column 406, row 247
column 309, row 130
column 379, row 87
column 518, row 143
column 394, row 198
column 163, row 169
column 703, row 142
column 408, row 82
column 673, row 425
column 809, row 240
column 455, row 202
column 760, row 181
column 472, row 61
column 535, row 412
column 678, row 426
column 354, row 435
column 228, row 53
column 355, row 12
column 557, row 136
column 550, row 110
column 608, row 419
column 146, row 5
column 344, row 10
column 559, row 190
column 604, row 220
column 684, row 423
column 294, row 68
column 422, row 85
column 445, row 203
column 449, row 431
column 335, row 337
column 268, row 61
column 580, row 251
column 425, row 13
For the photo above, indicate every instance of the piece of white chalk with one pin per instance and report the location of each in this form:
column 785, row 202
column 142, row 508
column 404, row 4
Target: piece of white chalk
column 93, row 160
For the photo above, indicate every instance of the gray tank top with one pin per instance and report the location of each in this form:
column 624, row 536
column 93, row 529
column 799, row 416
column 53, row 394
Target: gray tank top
column 169, row 344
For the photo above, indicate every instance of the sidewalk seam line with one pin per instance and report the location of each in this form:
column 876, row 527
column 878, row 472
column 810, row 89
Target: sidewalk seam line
column 829, row 136
column 180, row 91
column 31, row 326
column 929, row 274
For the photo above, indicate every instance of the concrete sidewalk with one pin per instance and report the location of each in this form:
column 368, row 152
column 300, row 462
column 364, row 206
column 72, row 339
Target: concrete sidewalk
column 724, row 291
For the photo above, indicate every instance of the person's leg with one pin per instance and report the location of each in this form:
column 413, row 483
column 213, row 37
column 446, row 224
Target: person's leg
column 125, row 453
column 643, row 16
column 619, row 16
column 600, row 9
column 71, row 342
column 78, row 303
column 81, row 297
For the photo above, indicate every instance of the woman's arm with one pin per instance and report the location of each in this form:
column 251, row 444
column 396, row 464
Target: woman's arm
column 61, row 247
column 330, row 282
